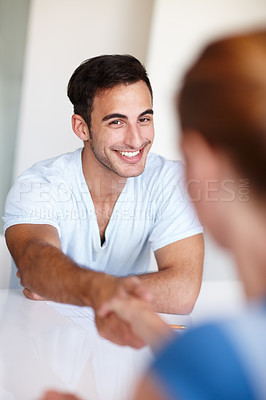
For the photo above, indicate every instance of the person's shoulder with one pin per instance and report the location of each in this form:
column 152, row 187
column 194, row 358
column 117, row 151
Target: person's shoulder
column 203, row 363
column 203, row 337
column 159, row 167
column 53, row 170
column 61, row 164
column 211, row 337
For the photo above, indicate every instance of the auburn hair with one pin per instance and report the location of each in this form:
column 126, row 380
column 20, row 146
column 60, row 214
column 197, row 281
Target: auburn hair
column 224, row 98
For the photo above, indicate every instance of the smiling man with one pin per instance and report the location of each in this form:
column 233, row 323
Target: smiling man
column 79, row 224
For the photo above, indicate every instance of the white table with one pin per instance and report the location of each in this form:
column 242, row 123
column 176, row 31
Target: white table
column 41, row 349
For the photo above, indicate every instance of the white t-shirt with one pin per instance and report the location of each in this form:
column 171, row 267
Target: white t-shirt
column 152, row 211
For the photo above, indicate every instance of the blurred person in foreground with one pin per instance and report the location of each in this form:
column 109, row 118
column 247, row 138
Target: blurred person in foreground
column 222, row 107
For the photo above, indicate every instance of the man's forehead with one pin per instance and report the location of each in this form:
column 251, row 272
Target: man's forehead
column 121, row 88
column 120, row 97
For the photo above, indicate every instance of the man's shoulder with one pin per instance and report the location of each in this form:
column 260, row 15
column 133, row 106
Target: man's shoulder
column 54, row 169
column 160, row 167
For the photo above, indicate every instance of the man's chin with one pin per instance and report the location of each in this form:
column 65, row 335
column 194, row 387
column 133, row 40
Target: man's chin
column 130, row 173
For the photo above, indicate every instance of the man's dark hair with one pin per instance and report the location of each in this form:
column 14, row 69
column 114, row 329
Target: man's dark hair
column 101, row 73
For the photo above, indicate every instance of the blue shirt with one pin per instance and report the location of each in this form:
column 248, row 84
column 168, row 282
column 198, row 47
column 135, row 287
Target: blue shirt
column 217, row 361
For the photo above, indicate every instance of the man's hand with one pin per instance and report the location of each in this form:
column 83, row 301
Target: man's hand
column 140, row 317
column 32, row 296
column 28, row 293
column 52, row 395
column 110, row 325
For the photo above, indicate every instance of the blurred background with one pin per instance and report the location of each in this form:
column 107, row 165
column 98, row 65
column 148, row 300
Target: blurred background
column 43, row 41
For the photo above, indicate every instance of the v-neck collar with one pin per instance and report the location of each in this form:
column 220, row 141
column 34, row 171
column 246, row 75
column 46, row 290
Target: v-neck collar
column 91, row 209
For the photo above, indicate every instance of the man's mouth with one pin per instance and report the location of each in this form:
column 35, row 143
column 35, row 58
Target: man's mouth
column 130, row 156
column 129, row 153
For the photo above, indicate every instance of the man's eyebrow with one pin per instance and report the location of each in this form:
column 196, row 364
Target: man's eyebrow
column 149, row 111
column 110, row 116
column 117, row 115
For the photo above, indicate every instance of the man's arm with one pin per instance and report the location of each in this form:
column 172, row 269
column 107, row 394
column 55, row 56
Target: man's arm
column 175, row 287
column 147, row 390
column 46, row 271
column 43, row 268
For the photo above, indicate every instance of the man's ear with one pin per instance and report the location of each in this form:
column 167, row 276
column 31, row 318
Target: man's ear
column 80, row 128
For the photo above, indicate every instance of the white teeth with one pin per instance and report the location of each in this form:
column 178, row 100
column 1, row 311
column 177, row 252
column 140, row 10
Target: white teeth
column 129, row 153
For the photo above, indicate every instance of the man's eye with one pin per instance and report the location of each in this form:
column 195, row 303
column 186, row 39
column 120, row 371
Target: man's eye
column 115, row 122
column 145, row 119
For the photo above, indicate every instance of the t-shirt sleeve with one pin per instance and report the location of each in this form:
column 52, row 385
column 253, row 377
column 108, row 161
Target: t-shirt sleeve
column 33, row 200
column 202, row 365
column 175, row 216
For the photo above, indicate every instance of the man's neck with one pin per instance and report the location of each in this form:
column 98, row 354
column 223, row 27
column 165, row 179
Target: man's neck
column 103, row 184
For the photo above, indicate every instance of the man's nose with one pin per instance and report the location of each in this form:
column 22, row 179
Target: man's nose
column 133, row 137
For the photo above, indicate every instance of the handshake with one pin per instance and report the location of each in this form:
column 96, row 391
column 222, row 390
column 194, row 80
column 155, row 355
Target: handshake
column 123, row 311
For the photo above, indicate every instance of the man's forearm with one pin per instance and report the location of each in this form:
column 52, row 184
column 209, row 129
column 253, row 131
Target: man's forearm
column 172, row 293
column 44, row 269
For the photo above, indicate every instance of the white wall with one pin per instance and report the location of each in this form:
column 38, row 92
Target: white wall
column 5, row 265
column 63, row 33
column 179, row 30
column 12, row 50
